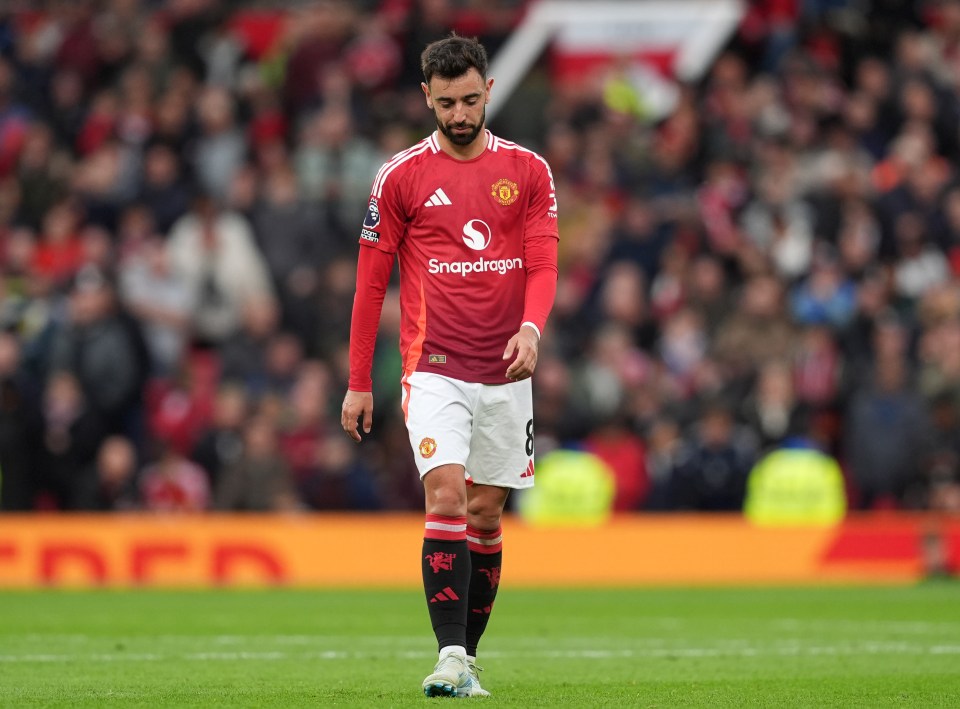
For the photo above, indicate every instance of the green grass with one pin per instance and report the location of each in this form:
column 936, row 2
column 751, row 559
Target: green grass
column 832, row 647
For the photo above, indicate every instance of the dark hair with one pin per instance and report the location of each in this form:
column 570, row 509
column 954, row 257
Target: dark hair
column 453, row 56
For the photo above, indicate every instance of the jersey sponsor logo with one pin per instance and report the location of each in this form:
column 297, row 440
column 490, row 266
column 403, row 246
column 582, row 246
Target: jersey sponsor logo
column 372, row 220
column 437, row 199
column 481, row 265
column 436, row 359
column 428, row 447
column 369, row 235
column 504, row 191
column 477, row 234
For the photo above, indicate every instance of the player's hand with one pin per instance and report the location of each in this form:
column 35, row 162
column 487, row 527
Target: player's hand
column 357, row 405
column 525, row 344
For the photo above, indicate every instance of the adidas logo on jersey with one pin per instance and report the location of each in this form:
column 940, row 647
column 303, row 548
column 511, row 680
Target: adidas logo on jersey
column 437, row 199
column 528, row 473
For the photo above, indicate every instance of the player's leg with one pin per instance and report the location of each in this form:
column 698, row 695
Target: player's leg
column 439, row 421
column 446, row 577
column 501, row 459
column 485, row 541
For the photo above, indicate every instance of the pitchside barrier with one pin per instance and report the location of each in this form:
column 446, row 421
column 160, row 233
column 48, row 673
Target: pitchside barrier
column 360, row 550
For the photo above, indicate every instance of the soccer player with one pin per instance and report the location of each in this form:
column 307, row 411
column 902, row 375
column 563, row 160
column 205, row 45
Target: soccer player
column 473, row 221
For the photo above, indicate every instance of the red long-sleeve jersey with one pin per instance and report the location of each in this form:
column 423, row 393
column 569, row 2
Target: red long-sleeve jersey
column 477, row 245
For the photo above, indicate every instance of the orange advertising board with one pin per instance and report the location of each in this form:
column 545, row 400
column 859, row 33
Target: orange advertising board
column 321, row 550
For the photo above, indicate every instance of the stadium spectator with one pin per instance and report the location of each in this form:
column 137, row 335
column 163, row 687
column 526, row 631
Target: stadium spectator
column 780, row 226
column 818, row 368
column 72, row 433
column 259, row 480
column 220, row 148
column 639, row 237
column 117, row 474
column 20, row 429
column 104, row 350
column 220, row 444
column 296, row 244
column 886, row 433
column 664, row 437
column 335, row 167
column 771, row 407
column 706, row 290
column 58, row 255
column 164, row 191
column 340, row 479
column 162, row 301
column 619, row 447
column 314, row 37
column 41, row 174
column 215, row 251
column 283, row 361
column 305, row 422
column 173, row 483
column 14, row 119
column 710, row 471
column 825, row 296
column 243, row 354
column 758, row 329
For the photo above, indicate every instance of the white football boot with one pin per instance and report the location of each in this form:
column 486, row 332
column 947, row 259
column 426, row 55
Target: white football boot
column 475, row 689
column 450, row 678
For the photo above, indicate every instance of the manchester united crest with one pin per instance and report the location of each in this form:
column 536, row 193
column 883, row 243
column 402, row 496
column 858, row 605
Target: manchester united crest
column 428, row 447
column 505, row 191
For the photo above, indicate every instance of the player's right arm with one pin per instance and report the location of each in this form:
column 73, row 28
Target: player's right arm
column 373, row 276
column 382, row 230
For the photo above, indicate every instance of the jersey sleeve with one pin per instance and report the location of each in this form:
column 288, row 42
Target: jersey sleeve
column 540, row 238
column 373, row 275
column 383, row 228
column 385, row 221
column 541, row 288
column 542, row 211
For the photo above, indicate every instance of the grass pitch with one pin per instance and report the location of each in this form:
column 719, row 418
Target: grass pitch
column 835, row 647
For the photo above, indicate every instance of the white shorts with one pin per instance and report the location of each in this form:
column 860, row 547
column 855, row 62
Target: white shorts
column 488, row 429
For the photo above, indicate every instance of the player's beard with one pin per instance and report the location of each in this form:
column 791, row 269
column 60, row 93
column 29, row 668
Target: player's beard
column 462, row 138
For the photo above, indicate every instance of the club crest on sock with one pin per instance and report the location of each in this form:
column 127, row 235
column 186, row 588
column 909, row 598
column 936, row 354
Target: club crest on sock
column 440, row 561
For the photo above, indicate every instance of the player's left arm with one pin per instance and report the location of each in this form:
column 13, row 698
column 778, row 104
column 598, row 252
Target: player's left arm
column 540, row 239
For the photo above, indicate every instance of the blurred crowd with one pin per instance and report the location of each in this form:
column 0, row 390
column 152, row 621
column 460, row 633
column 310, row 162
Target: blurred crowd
column 775, row 263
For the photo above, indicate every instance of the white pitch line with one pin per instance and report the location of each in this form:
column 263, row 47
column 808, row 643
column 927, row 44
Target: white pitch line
column 941, row 632
column 899, row 626
column 869, row 648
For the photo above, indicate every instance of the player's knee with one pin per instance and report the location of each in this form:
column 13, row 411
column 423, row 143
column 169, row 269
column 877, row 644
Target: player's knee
column 483, row 516
column 485, row 523
column 447, row 502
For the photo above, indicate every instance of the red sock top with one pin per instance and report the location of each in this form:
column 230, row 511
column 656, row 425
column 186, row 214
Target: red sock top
column 452, row 529
column 484, row 542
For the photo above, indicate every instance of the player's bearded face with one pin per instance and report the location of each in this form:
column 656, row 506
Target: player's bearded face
column 463, row 132
column 459, row 105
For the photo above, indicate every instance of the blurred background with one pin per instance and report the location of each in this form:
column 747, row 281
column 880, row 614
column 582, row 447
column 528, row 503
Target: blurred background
column 760, row 248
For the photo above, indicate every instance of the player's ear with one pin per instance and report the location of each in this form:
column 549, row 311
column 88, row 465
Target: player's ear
column 426, row 93
column 489, row 86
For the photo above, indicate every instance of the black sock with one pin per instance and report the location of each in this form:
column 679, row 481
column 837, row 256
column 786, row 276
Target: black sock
column 445, row 563
column 486, row 555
